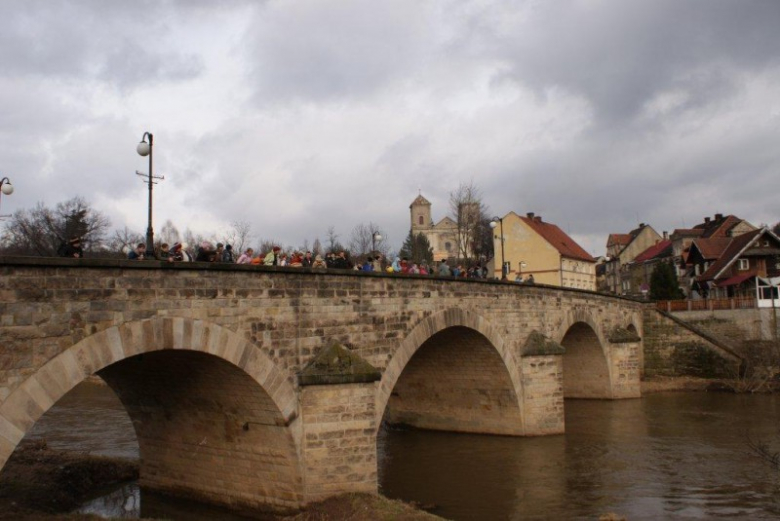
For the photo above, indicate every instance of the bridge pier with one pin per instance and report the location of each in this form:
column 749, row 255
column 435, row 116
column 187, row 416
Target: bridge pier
column 542, row 394
column 337, row 394
column 338, row 439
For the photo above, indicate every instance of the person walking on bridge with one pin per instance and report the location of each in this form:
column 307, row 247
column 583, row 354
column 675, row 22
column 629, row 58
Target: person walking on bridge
column 444, row 269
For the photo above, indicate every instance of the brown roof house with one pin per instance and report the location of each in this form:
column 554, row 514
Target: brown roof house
column 535, row 247
column 728, row 266
column 716, row 230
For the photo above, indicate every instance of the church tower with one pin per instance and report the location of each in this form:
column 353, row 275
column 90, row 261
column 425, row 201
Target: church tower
column 420, row 211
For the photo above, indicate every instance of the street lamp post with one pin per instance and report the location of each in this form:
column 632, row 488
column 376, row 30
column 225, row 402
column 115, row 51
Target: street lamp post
column 520, row 266
column 375, row 236
column 146, row 149
column 6, row 188
column 498, row 221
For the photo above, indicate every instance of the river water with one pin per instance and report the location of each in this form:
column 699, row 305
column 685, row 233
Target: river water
column 679, row 456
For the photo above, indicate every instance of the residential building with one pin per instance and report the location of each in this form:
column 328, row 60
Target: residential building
column 621, row 250
column 535, row 247
column 640, row 270
column 728, row 266
column 717, row 227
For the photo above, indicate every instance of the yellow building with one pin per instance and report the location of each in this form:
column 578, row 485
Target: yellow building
column 534, row 247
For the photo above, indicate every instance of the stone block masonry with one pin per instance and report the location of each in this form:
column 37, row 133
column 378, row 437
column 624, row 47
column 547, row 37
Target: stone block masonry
column 207, row 360
column 673, row 347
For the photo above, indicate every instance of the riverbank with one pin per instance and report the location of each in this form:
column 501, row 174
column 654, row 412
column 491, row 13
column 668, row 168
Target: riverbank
column 41, row 484
column 38, row 483
column 661, row 384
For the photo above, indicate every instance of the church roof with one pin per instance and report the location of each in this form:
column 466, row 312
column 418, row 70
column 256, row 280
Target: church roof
column 446, row 222
column 420, row 200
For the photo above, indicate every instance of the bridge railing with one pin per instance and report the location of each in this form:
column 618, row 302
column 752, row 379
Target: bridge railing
column 708, row 304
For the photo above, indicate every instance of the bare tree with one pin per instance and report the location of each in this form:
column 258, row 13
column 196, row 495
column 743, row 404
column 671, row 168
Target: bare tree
column 470, row 214
column 267, row 245
column 360, row 241
column 169, row 233
column 124, row 240
column 42, row 230
column 333, row 238
column 194, row 240
column 239, row 235
column 316, row 248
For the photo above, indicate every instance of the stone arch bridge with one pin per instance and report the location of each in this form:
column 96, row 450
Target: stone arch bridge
column 254, row 387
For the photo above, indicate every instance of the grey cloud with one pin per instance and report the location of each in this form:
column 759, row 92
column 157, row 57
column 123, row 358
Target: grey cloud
column 109, row 41
column 335, row 51
column 618, row 54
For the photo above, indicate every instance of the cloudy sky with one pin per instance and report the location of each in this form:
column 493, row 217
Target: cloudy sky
column 300, row 115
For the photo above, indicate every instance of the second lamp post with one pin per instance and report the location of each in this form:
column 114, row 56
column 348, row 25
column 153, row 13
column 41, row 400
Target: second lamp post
column 498, row 221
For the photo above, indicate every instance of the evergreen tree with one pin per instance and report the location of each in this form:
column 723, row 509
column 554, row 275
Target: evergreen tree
column 664, row 284
column 417, row 249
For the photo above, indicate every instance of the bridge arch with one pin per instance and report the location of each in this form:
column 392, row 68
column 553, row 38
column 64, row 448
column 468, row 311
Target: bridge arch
column 170, row 374
column 469, row 335
column 586, row 361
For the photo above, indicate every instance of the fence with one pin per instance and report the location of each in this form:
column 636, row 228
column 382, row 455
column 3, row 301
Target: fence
column 708, row 304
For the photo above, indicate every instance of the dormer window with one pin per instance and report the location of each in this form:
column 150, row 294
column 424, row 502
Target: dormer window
column 744, row 264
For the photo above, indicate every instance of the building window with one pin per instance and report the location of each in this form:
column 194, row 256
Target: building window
column 421, row 220
column 448, row 246
column 744, row 264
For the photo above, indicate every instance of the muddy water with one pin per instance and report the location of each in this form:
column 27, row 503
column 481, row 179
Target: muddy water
column 667, row 456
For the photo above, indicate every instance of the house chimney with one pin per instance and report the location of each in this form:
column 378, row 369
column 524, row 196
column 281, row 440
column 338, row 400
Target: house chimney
column 718, row 216
column 706, row 220
column 666, row 236
column 530, row 215
column 538, row 218
column 641, row 225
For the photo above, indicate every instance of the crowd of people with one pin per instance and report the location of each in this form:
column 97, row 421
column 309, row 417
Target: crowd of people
column 375, row 262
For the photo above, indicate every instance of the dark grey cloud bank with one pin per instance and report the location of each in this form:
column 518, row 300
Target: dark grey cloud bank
column 300, row 115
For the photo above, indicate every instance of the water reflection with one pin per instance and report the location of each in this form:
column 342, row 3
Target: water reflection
column 671, row 456
column 667, row 456
column 123, row 503
column 126, row 503
column 90, row 418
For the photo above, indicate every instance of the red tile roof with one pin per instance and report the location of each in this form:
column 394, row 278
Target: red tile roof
column 558, row 239
column 686, row 232
column 732, row 251
column 712, row 248
column 718, row 227
column 618, row 238
column 657, row 250
column 736, row 279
